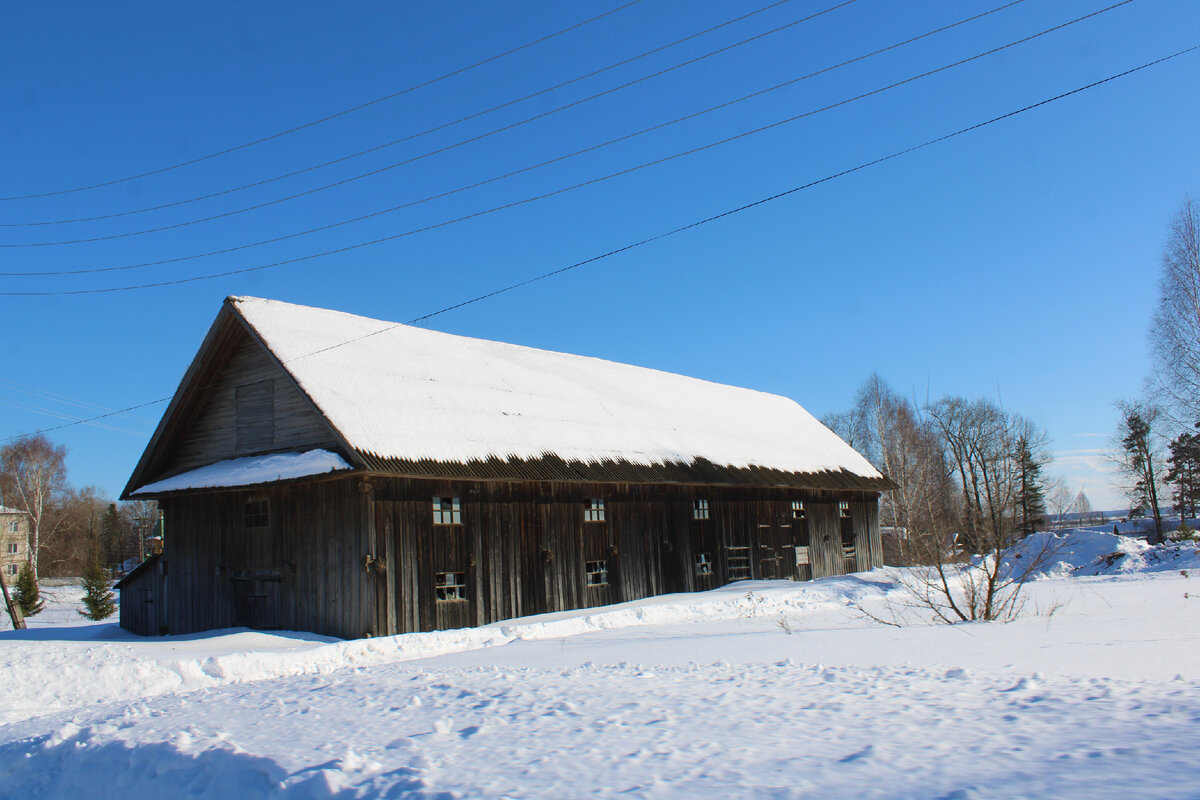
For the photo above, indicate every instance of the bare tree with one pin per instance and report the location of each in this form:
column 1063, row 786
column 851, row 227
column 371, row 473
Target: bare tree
column 962, row 470
column 33, row 474
column 895, row 436
column 985, row 445
column 1081, row 506
column 1059, row 498
column 142, row 518
column 78, row 520
column 1175, row 332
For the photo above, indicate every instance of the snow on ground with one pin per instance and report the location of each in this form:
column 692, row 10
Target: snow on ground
column 62, row 600
column 759, row 689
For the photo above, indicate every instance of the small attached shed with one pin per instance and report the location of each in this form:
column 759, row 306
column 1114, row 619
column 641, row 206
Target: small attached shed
column 332, row 473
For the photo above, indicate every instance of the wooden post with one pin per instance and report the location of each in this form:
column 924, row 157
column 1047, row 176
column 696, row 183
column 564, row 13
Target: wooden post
column 14, row 613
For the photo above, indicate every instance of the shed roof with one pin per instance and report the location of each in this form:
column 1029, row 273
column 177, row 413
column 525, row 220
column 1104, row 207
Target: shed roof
column 411, row 400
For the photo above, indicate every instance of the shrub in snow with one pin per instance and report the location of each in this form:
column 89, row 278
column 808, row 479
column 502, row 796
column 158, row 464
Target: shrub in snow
column 27, row 596
column 1183, row 533
column 99, row 599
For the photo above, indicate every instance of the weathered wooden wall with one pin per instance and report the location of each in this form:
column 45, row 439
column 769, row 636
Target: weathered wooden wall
column 524, row 547
column 143, row 599
column 358, row 556
column 301, row 571
column 213, row 435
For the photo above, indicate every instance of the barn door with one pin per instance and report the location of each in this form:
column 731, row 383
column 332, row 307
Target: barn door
column 776, row 554
column 847, row 538
column 451, row 578
column 739, row 554
column 256, row 599
column 772, row 534
column 704, row 545
column 801, row 541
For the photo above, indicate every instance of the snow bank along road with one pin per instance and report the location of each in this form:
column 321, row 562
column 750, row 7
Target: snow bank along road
column 757, row 690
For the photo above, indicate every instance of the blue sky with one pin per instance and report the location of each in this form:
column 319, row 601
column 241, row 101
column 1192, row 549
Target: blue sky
column 1018, row 261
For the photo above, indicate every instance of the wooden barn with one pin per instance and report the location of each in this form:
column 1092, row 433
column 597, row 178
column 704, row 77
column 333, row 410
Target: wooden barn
column 332, row 473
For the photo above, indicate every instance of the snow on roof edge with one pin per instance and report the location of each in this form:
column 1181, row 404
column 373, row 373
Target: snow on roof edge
column 249, row 471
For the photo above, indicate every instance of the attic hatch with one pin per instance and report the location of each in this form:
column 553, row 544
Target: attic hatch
column 256, row 416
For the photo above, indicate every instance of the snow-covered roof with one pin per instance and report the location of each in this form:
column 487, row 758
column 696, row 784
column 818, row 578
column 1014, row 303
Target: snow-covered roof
column 249, row 471
column 401, row 393
column 7, row 510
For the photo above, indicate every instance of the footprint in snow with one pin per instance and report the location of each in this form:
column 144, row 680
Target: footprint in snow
column 861, row 754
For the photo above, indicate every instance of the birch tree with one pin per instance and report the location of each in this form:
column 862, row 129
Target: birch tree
column 32, row 474
column 1175, row 332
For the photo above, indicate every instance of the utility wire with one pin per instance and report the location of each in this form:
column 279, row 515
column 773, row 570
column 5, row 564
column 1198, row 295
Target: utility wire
column 690, row 226
column 70, row 401
column 88, row 420
column 514, row 203
column 506, row 175
column 446, row 148
column 63, row 415
column 410, row 137
column 328, row 118
column 795, row 189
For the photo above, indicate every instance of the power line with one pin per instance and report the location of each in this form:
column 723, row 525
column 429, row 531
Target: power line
column 439, row 150
column 410, row 137
column 696, row 224
column 513, row 173
column 802, row 187
column 328, row 118
column 515, row 203
column 70, row 401
column 89, row 419
column 63, row 415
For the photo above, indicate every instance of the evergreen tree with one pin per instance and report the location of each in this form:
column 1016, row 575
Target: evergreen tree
column 27, row 596
column 1031, row 489
column 99, row 599
column 1183, row 472
column 1141, row 461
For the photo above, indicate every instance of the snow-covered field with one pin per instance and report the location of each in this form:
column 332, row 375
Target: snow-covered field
column 759, row 689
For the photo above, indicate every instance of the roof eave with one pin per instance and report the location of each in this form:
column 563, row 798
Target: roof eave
column 187, row 393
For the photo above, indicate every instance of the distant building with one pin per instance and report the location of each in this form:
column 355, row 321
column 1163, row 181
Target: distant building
column 14, row 542
column 326, row 472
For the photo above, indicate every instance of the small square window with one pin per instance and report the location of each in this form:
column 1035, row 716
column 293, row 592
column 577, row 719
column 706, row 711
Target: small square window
column 450, row 585
column 597, row 573
column 844, row 509
column 797, row 509
column 12, row 526
column 699, row 509
column 13, row 548
column 11, row 569
column 447, row 511
column 258, row 513
column 703, row 564
column 593, row 510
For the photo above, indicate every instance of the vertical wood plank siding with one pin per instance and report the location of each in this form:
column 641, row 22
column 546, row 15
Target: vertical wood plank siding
column 282, row 420
column 308, row 556
column 522, row 547
column 143, row 599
